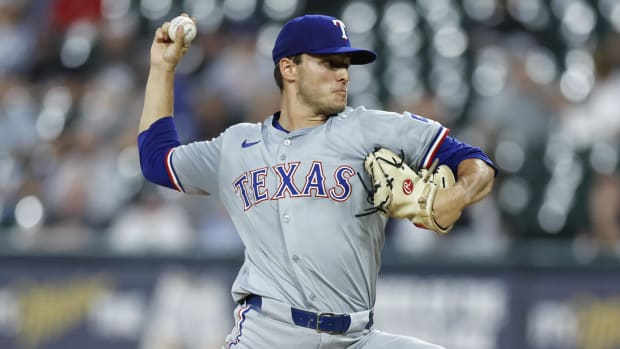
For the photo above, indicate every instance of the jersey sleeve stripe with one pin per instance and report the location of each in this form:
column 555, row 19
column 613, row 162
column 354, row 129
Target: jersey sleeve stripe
column 432, row 150
column 171, row 174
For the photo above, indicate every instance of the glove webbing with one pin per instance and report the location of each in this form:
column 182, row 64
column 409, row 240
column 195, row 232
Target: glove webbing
column 370, row 191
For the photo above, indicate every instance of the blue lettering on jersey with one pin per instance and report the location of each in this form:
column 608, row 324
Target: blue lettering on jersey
column 418, row 117
column 342, row 190
column 286, row 180
column 315, row 185
column 258, row 184
column 239, row 185
column 315, row 181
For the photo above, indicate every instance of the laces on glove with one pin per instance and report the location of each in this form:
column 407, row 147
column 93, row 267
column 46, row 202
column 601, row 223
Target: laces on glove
column 372, row 189
column 389, row 182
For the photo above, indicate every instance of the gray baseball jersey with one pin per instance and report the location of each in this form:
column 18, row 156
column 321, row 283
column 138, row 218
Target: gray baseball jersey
column 293, row 198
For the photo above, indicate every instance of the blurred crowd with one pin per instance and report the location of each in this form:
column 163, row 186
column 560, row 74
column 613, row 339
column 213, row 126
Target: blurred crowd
column 534, row 83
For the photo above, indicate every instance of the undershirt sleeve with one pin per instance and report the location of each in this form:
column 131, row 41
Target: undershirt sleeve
column 452, row 151
column 155, row 147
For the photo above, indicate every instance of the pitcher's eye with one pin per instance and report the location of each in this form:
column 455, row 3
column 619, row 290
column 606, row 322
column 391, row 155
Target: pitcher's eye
column 336, row 63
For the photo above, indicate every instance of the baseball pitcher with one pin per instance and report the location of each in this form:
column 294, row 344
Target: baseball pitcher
column 310, row 189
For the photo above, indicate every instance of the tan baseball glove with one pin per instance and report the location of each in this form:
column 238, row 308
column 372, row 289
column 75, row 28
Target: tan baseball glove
column 398, row 191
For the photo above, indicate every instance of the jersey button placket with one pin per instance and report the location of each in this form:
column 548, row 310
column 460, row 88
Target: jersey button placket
column 286, row 142
column 287, row 227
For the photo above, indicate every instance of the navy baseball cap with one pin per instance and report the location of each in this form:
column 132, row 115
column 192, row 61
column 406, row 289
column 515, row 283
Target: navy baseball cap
column 317, row 34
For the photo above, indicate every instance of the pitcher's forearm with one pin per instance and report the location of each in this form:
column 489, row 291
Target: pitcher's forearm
column 476, row 178
column 158, row 97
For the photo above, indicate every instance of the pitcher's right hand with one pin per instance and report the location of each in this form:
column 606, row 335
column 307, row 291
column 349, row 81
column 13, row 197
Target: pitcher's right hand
column 165, row 53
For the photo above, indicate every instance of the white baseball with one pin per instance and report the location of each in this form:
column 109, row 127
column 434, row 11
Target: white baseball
column 189, row 27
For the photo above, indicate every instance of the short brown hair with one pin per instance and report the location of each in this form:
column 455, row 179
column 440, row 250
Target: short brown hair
column 277, row 74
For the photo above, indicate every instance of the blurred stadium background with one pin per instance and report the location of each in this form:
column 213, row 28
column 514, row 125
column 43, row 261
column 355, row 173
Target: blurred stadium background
column 91, row 256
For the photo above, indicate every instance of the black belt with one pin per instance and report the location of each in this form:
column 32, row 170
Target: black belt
column 321, row 322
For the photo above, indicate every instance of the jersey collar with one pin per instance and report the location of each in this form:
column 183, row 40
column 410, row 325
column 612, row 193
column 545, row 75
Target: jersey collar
column 276, row 123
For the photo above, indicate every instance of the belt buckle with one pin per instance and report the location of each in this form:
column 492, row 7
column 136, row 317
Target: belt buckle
column 318, row 322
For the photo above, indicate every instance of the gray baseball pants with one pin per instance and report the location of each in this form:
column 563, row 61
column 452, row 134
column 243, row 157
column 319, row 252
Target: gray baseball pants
column 271, row 327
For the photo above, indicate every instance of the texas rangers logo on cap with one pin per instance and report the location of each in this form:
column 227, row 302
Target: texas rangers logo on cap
column 317, row 34
column 340, row 24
